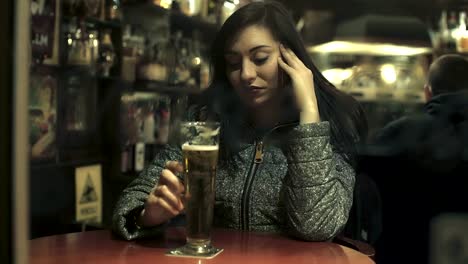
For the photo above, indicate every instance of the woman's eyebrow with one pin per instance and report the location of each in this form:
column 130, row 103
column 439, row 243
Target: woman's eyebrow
column 232, row 52
column 258, row 47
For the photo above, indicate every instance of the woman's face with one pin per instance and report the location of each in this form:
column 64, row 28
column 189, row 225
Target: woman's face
column 252, row 65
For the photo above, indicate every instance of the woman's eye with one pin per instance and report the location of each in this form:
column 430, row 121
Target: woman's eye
column 260, row 61
column 233, row 64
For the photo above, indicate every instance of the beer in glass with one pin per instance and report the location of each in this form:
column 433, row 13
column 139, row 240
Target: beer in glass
column 200, row 144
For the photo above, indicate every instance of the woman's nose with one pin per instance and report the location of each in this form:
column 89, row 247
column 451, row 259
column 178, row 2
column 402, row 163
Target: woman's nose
column 248, row 73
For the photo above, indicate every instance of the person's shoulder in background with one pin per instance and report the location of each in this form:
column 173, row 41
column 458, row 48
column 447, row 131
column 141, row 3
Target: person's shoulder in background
column 402, row 135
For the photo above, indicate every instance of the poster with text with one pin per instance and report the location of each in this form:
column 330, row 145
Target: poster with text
column 88, row 194
column 43, row 13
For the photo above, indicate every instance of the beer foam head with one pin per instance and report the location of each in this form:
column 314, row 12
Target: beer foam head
column 187, row 146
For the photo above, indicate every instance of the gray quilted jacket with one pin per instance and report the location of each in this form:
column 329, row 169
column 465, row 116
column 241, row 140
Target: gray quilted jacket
column 299, row 187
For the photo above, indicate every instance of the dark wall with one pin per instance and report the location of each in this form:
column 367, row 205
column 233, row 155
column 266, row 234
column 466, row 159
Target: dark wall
column 6, row 11
column 52, row 197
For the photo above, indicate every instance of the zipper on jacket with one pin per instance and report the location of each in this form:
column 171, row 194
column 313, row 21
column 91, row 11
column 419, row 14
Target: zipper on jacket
column 257, row 160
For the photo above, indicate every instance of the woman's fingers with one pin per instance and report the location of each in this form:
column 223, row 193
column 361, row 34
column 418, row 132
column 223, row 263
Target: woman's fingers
column 301, row 79
column 174, row 166
column 285, row 56
column 170, row 180
column 285, row 66
column 159, row 203
column 172, row 199
column 160, row 206
column 167, row 193
column 291, row 58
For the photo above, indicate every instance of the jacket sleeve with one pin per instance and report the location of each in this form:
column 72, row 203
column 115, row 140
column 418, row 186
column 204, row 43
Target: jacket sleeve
column 133, row 198
column 319, row 185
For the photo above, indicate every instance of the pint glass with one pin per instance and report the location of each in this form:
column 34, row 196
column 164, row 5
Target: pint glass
column 199, row 143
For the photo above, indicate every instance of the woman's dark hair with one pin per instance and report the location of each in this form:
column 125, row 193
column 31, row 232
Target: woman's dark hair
column 347, row 120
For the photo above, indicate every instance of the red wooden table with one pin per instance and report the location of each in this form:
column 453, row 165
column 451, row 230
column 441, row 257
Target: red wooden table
column 239, row 247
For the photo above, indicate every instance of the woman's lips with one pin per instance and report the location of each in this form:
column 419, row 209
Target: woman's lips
column 255, row 90
column 255, row 93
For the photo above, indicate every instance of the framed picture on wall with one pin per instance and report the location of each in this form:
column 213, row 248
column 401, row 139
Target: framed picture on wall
column 44, row 30
column 42, row 113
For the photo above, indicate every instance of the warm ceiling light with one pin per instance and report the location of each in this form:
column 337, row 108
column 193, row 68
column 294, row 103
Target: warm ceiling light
column 379, row 35
column 366, row 48
column 230, row 6
column 388, row 73
column 337, row 75
column 165, row 3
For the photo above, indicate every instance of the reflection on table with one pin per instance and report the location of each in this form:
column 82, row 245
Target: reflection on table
column 239, row 247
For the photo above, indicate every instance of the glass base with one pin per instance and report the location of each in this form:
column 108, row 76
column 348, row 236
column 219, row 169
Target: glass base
column 193, row 251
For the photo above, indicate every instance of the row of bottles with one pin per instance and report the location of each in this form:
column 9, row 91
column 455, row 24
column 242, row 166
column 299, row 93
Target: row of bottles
column 170, row 58
column 100, row 9
column 208, row 10
column 211, row 11
column 88, row 46
column 452, row 33
column 144, row 124
column 166, row 57
column 145, row 118
column 94, row 34
column 174, row 60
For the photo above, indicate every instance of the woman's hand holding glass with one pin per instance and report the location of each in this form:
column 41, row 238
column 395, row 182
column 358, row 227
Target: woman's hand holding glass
column 165, row 199
column 303, row 84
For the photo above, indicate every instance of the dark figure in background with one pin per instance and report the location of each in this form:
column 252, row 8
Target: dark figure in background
column 265, row 89
column 440, row 132
column 420, row 163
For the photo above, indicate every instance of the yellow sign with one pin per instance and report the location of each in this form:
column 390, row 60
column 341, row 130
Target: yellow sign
column 88, row 194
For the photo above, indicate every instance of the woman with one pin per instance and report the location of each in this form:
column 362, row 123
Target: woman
column 274, row 105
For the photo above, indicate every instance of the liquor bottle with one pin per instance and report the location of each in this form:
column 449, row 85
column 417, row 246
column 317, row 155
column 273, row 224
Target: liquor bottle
column 171, row 51
column 452, row 29
column 148, row 125
column 113, row 10
column 209, row 11
column 196, row 60
column 125, row 155
column 139, row 162
column 444, row 31
column 79, row 49
column 462, row 36
column 183, row 64
column 158, row 68
column 93, row 41
column 129, row 56
column 164, row 121
column 107, row 55
column 204, row 75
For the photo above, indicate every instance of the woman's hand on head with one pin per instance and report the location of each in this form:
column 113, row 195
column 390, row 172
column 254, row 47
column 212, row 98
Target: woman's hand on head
column 164, row 201
column 302, row 81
